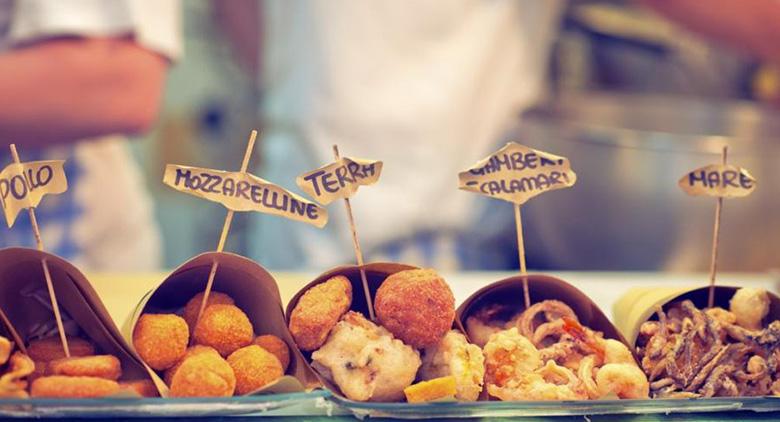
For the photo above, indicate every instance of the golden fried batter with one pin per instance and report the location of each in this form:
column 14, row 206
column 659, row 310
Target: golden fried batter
column 144, row 388
column 161, row 339
column 12, row 383
column 60, row 386
column 254, row 368
column 318, row 311
column 101, row 366
column 193, row 306
column 50, row 348
column 276, row 346
column 191, row 351
column 226, row 328
column 5, row 350
column 417, row 306
column 203, row 374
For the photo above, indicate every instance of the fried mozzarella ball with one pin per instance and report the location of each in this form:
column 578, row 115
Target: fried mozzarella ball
column 318, row 310
column 50, row 348
column 203, row 374
column 750, row 305
column 101, row 366
column 192, row 350
column 61, row 386
column 254, row 368
column 455, row 357
column 417, row 306
column 365, row 361
column 275, row 346
column 161, row 339
column 226, row 328
column 193, row 306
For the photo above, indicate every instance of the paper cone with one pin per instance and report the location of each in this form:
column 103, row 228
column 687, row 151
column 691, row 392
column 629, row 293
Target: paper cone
column 21, row 268
column 254, row 291
column 639, row 304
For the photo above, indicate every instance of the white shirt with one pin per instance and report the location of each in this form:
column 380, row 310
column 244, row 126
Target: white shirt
column 105, row 221
column 429, row 87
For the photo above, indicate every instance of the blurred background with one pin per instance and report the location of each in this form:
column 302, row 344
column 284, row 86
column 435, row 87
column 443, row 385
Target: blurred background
column 634, row 99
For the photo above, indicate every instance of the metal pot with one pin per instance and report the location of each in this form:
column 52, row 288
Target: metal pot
column 626, row 211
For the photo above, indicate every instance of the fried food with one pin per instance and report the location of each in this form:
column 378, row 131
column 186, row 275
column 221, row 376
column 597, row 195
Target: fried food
column 508, row 356
column 203, row 374
column 193, row 305
column 50, row 348
column 365, row 361
column 254, row 368
column 454, row 356
column 627, row 381
column 489, row 320
column 192, row 350
column 318, row 310
column 417, row 306
column 433, row 389
column 60, row 386
column 161, row 339
column 226, row 328
column 551, row 309
column 276, row 346
column 101, row 366
column 143, row 388
column 750, row 305
column 12, row 383
column 5, row 350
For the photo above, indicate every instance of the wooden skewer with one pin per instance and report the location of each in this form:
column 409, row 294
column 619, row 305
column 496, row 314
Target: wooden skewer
column 46, row 274
column 716, row 239
column 225, row 230
column 521, row 255
column 356, row 244
column 12, row 330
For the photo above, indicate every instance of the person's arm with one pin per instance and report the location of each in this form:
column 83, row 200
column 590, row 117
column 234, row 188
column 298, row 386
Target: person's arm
column 60, row 90
column 749, row 25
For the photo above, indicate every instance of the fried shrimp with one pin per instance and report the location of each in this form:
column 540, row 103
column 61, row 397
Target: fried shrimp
column 585, row 374
column 509, row 355
column 454, row 356
column 318, row 311
column 101, row 366
column 417, row 306
column 625, row 380
column 226, row 328
column 193, row 305
column 617, row 352
column 161, row 339
column 60, row 386
column 750, row 305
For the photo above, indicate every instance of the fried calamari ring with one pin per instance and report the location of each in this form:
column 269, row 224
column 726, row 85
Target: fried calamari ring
column 318, row 311
column 50, row 348
column 101, row 366
column 417, row 306
column 193, row 306
column 226, row 328
column 254, row 368
column 144, row 388
column 203, row 374
column 275, row 346
column 60, row 386
column 161, row 339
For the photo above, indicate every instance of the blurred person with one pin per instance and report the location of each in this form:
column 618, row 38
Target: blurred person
column 429, row 87
column 75, row 77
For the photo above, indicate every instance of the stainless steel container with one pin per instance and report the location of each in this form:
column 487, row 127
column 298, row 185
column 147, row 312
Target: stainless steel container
column 626, row 211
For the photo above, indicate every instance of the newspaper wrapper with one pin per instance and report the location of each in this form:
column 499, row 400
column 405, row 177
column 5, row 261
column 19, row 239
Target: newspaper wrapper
column 639, row 305
column 718, row 180
column 517, row 173
column 23, row 185
column 21, row 275
column 255, row 292
column 240, row 191
column 340, row 179
column 376, row 273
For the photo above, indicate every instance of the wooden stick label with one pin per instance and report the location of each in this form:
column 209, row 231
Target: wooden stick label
column 718, row 180
column 517, row 173
column 24, row 185
column 340, row 179
column 240, row 191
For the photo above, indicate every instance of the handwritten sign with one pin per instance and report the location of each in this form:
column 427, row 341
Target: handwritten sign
column 517, row 173
column 23, row 185
column 240, row 191
column 340, row 179
column 718, row 180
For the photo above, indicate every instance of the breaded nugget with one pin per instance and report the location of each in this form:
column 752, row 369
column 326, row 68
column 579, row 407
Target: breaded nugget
column 161, row 339
column 203, row 374
column 191, row 351
column 12, row 382
column 50, row 348
column 60, row 386
column 318, row 311
column 101, row 366
column 254, row 367
column 277, row 347
column 5, row 350
column 225, row 328
column 193, row 306
column 417, row 306
column 144, row 388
